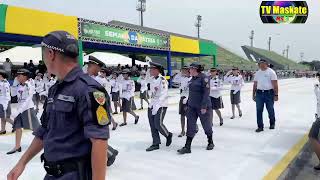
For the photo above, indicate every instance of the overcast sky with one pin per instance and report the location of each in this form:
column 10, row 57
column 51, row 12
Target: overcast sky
column 226, row 22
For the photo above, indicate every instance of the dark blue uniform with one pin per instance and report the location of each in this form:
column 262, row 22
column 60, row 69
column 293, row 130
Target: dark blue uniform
column 69, row 120
column 199, row 99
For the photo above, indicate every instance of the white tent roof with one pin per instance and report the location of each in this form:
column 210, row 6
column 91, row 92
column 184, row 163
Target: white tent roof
column 111, row 59
column 20, row 54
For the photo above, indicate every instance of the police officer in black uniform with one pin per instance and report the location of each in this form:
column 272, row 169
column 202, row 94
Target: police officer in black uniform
column 74, row 125
column 199, row 106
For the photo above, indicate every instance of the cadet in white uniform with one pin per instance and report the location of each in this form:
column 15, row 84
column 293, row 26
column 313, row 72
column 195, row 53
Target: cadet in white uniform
column 4, row 101
column 235, row 79
column 183, row 79
column 158, row 107
column 39, row 87
column 216, row 86
column 48, row 81
column 25, row 116
column 143, row 81
column 115, row 92
column 105, row 82
column 127, row 95
column 314, row 134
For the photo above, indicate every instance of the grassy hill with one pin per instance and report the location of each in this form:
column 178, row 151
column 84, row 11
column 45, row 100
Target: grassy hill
column 288, row 63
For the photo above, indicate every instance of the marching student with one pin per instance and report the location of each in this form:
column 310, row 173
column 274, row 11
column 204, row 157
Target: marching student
column 216, row 86
column 39, row 87
column 25, row 116
column 235, row 79
column 127, row 96
column 158, row 107
column 105, row 82
column 183, row 79
column 4, row 101
column 115, row 92
column 144, row 88
column 48, row 80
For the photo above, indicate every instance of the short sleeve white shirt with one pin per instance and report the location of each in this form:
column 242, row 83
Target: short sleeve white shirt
column 264, row 79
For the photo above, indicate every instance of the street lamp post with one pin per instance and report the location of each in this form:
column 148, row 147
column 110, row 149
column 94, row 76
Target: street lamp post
column 141, row 7
column 198, row 24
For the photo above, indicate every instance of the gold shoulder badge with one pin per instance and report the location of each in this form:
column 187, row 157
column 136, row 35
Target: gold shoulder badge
column 101, row 112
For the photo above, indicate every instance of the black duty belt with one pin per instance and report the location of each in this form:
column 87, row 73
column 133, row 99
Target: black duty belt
column 58, row 169
column 263, row 91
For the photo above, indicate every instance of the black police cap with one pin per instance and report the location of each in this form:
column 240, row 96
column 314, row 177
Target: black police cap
column 213, row 69
column 125, row 71
column 196, row 65
column 185, row 67
column 61, row 41
column 156, row 65
column 318, row 74
column 262, row 61
column 24, row 72
column 3, row 73
column 94, row 60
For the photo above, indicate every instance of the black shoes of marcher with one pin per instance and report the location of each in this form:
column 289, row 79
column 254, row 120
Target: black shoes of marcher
column 210, row 146
column 141, row 108
column 153, row 148
column 112, row 158
column 115, row 113
column 14, row 151
column 169, row 140
column 123, row 124
column 210, row 143
column 317, row 167
column 221, row 122
column 272, row 126
column 259, row 130
column 184, row 150
column 136, row 120
column 115, row 127
column 3, row 132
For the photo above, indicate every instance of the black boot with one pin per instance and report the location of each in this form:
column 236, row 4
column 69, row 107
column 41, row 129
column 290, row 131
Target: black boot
column 169, row 140
column 210, row 143
column 187, row 148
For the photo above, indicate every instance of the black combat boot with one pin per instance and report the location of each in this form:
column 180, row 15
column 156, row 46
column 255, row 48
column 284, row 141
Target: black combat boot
column 187, row 148
column 210, row 143
column 169, row 140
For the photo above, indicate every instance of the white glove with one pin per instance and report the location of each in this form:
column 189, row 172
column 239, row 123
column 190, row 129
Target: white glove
column 184, row 101
column 155, row 109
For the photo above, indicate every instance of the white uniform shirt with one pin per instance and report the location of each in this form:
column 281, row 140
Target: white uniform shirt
column 184, row 84
column 127, row 89
column 39, row 85
column 236, row 82
column 264, row 79
column 144, row 84
column 47, row 85
column 14, row 87
column 216, row 86
column 114, row 85
column 159, row 93
column 25, row 94
column 4, row 94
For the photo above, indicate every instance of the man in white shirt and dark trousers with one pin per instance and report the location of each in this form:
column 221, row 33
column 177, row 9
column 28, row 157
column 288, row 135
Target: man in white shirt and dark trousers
column 158, row 107
column 265, row 92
